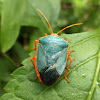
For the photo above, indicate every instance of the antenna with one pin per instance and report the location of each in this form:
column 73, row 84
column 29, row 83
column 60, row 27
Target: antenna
column 68, row 27
column 46, row 20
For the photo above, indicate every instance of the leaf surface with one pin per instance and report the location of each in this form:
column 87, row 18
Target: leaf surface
column 84, row 74
column 10, row 22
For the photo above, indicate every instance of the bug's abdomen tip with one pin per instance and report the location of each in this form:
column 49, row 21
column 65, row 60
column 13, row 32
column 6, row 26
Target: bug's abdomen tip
column 50, row 76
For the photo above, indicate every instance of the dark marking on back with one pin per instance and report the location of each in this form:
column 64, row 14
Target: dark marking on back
column 50, row 77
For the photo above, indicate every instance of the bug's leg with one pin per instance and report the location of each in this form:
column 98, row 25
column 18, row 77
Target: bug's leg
column 46, row 34
column 69, row 58
column 72, row 51
column 69, row 55
column 37, row 72
column 36, row 41
column 33, row 65
column 32, row 61
column 35, row 78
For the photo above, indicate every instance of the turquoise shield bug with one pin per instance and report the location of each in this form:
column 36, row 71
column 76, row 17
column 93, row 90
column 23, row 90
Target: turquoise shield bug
column 51, row 56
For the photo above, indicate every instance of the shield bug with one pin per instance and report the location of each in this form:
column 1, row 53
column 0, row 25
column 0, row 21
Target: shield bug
column 52, row 54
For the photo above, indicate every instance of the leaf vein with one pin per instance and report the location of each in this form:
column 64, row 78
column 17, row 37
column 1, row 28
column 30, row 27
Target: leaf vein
column 70, row 72
column 83, row 62
column 95, row 78
column 86, row 39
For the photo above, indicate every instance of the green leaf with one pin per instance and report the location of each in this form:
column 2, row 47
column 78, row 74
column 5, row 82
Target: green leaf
column 12, row 12
column 6, row 69
column 84, row 74
column 2, row 84
column 32, row 17
column 18, row 53
column 1, row 1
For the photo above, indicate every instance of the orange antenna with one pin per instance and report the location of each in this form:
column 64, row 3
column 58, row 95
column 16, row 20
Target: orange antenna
column 69, row 26
column 46, row 20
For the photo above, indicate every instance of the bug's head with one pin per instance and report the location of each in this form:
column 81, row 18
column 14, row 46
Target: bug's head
column 56, row 34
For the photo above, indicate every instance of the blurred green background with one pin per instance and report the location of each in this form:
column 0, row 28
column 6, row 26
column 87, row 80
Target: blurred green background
column 21, row 24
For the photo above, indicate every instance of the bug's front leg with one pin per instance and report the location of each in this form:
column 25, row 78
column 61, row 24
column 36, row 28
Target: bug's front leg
column 36, row 41
column 46, row 34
